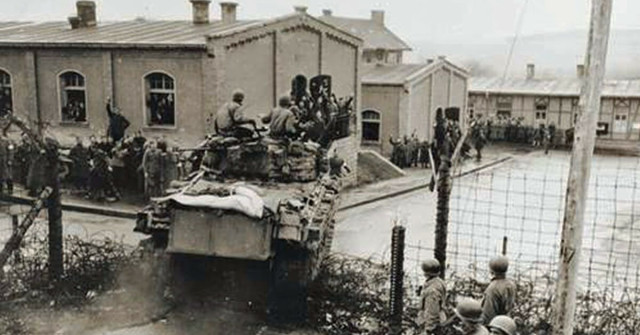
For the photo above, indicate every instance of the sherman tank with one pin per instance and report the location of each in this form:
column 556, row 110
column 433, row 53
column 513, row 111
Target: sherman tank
column 255, row 220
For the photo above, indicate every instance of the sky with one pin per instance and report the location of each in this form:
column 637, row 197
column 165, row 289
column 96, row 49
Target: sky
column 414, row 20
column 468, row 31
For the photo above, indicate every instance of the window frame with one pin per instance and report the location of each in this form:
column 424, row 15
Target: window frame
column 174, row 91
column 10, row 75
column 377, row 121
column 504, row 99
column 72, row 88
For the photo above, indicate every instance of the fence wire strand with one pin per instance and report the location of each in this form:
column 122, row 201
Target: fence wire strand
column 525, row 203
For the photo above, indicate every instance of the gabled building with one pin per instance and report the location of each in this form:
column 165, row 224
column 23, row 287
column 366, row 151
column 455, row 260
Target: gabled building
column 168, row 77
column 381, row 45
column 399, row 99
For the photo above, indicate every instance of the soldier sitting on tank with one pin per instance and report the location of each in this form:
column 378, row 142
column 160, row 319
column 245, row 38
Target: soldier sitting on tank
column 230, row 121
column 281, row 120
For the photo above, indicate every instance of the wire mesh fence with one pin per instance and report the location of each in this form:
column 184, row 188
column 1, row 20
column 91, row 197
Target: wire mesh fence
column 524, row 202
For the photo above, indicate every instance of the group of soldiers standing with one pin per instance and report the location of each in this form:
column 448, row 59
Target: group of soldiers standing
column 489, row 316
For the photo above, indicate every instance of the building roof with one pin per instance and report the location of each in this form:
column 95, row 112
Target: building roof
column 400, row 74
column 569, row 87
column 374, row 35
column 138, row 33
column 132, row 33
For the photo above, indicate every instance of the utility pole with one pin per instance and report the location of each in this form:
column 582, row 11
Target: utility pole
column 580, row 169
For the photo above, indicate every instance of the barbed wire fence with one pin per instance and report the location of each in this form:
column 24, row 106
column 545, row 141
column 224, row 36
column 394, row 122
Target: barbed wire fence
column 524, row 203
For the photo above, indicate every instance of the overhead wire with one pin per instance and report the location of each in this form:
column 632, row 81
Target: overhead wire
column 515, row 40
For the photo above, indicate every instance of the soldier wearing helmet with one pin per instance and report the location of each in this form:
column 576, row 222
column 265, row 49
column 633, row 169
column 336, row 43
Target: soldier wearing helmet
column 432, row 298
column 503, row 325
column 469, row 311
column 230, row 120
column 282, row 121
column 499, row 297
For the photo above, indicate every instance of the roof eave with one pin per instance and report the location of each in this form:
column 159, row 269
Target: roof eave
column 379, row 83
column 300, row 16
column 93, row 45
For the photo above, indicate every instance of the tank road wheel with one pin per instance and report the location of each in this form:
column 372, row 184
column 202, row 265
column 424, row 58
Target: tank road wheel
column 287, row 299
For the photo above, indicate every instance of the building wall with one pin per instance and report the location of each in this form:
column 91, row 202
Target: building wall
column 386, row 101
column 277, row 56
column 372, row 56
column 16, row 64
column 411, row 108
column 52, row 63
column 255, row 80
column 562, row 111
column 338, row 61
column 130, row 67
column 419, row 109
column 107, row 73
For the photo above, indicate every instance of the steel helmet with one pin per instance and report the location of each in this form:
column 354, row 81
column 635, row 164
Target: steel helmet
column 469, row 310
column 503, row 323
column 499, row 264
column 431, row 267
column 238, row 95
column 284, row 101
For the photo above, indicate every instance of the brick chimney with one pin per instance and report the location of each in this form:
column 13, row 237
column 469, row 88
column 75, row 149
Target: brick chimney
column 300, row 9
column 200, row 9
column 327, row 12
column 85, row 15
column 580, row 71
column 229, row 12
column 377, row 16
column 531, row 71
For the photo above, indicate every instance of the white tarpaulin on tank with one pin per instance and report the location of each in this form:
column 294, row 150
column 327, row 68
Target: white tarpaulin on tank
column 243, row 199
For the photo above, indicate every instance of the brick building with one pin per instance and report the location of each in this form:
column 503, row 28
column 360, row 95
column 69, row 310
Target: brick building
column 168, row 77
column 548, row 101
column 399, row 99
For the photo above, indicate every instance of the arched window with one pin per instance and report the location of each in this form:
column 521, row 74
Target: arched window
column 160, row 97
column 370, row 126
column 73, row 97
column 6, row 101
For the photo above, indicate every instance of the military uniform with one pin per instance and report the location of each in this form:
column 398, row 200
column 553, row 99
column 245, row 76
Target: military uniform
column 5, row 173
column 36, row 177
column 81, row 168
column 230, row 118
column 499, row 298
column 432, row 300
column 469, row 311
column 282, row 121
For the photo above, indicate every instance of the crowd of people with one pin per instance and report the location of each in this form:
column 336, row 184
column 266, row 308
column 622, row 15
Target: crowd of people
column 100, row 167
column 410, row 152
column 488, row 316
column 514, row 130
column 298, row 116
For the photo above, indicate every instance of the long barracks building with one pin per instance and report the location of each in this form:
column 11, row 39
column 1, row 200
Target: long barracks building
column 556, row 101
